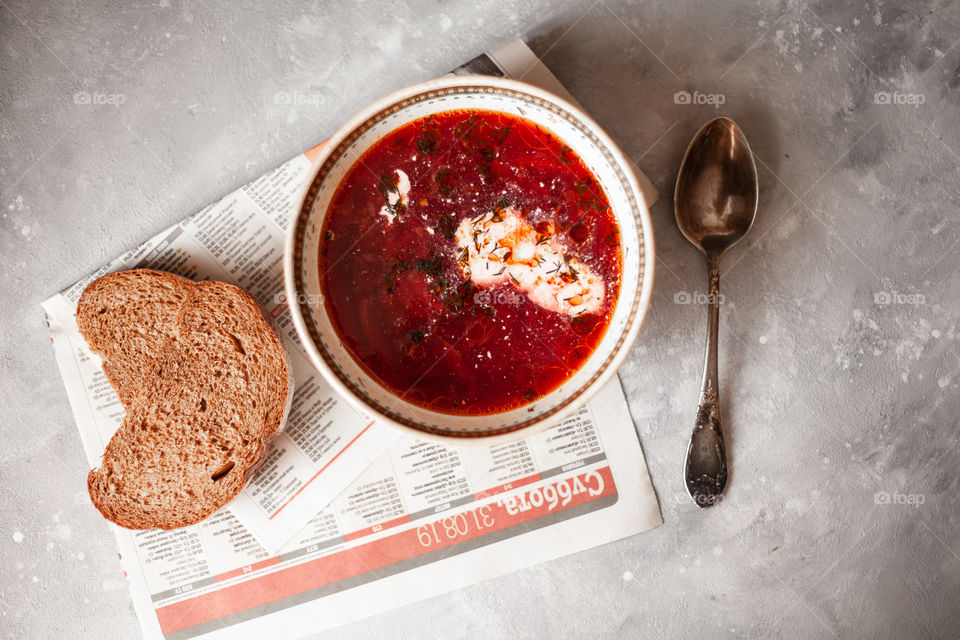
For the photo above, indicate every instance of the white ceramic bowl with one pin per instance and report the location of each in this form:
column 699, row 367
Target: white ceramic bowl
column 588, row 141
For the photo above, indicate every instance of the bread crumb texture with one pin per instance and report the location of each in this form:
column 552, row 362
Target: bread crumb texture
column 127, row 317
column 204, row 380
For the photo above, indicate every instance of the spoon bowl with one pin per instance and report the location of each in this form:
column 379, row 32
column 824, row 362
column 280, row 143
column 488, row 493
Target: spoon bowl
column 716, row 196
column 715, row 203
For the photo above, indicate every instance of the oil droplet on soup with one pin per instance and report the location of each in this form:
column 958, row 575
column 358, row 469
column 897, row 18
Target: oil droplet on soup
column 470, row 262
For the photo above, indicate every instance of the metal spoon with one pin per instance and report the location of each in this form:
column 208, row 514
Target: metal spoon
column 715, row 204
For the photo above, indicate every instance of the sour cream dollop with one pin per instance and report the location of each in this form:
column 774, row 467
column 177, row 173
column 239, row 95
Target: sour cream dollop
column 397, row 193
column 500, row 246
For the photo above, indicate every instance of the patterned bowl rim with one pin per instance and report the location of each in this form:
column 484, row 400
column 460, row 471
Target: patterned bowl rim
column 346, row 136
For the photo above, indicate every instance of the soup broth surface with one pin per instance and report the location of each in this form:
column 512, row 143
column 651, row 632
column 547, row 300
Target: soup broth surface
column 470, row 262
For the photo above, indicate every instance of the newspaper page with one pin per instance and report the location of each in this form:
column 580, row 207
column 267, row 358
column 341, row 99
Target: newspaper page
column 274, row 525
column 423, row 519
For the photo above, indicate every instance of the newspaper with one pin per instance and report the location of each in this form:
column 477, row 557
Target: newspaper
column 320, row 533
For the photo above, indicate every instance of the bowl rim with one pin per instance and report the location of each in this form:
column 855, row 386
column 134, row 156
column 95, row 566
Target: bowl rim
column 608, row 370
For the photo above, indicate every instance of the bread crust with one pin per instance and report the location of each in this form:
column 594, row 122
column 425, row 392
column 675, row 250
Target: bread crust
column 200, row 420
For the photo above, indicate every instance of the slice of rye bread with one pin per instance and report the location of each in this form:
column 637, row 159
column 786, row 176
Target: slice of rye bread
column 215, row 393
column 127, row 317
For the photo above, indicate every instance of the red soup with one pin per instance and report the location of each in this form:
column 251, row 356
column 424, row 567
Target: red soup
column 470, row 262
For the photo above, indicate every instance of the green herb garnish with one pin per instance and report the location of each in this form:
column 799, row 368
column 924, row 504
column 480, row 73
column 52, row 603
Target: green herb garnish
column 429, row 140
column 390, row 277
column 447, row 226
column 499, row 206
column 447, row 182
column 432, row 266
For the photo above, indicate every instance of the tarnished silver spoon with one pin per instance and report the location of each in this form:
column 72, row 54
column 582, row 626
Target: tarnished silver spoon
column 715, row 204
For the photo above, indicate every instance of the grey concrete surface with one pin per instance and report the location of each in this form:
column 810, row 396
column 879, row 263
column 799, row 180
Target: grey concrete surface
column 839, row 353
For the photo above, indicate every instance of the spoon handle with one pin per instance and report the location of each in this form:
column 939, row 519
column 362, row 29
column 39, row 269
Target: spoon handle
column 705, row 471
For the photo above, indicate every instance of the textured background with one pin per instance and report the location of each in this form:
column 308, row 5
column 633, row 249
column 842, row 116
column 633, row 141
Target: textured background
column 839, row 354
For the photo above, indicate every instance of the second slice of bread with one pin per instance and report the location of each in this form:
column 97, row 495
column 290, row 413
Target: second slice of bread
column 213, row 395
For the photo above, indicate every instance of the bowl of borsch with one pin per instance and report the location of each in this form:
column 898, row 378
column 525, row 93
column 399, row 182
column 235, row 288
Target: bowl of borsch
column 471, row 259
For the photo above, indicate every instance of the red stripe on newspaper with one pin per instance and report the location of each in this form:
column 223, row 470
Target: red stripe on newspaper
column 250, row 568
column 362, row 533
column 441, row 533
column 503, row 488
column 290, row 499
